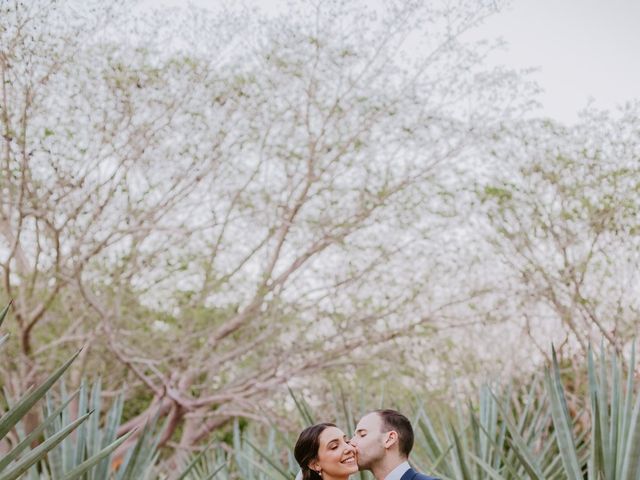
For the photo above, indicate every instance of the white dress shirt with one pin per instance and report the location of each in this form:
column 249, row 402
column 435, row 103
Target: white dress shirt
column 396, row 473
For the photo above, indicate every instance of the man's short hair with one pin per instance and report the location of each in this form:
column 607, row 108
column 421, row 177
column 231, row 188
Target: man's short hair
column 394, row 420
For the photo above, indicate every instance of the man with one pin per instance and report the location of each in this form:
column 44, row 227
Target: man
column 383, row 440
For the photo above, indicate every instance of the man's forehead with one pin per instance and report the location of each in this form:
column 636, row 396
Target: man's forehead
column 369, row 421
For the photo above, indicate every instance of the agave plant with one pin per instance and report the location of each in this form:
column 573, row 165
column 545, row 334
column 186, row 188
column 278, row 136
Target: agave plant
column 22, row 455
column 535, row 435
column 91, row 438
column 522, row 432
column 517, row 432
column 206, row 465
column 614, row 435
column 244, row 460
column 263, row 456
column 86, row 454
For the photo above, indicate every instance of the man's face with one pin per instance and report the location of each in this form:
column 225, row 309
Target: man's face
column 369, row 441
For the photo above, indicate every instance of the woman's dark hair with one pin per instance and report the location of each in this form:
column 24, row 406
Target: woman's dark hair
column 306, row 449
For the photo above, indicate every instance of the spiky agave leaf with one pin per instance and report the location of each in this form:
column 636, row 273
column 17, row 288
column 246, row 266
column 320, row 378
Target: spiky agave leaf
column 57, row 426
column 140, row 460
column 89, row 450
column 28, row 439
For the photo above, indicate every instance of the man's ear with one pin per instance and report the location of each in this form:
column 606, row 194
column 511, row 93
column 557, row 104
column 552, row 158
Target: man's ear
column 392, row 439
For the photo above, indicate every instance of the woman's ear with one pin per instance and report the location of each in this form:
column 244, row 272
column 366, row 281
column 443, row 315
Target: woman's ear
column 314, row 465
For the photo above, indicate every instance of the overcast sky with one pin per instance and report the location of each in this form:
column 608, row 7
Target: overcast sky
column 584, row 49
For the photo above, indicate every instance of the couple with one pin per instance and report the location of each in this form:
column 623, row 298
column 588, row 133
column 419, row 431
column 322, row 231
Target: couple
column 382, row 443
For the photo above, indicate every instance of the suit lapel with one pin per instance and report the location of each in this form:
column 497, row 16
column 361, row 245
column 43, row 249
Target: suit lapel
column 409, row 474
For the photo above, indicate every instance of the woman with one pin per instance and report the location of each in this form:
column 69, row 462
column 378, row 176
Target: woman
column 323, row 453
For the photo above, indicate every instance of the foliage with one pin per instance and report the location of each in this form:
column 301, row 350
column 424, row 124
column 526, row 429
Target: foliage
column 215, row 204
column 563, row 216
column 135, row 462
column 536, row 430
column 542, row 433
column 228, row 201
column 92, row 452
column 22, row 455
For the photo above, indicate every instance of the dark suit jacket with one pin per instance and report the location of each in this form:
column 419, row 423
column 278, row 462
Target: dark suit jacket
column 411, row 474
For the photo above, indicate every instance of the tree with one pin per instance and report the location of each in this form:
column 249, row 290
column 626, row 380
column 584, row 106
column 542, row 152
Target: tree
column 264, row 188
column 564, row 222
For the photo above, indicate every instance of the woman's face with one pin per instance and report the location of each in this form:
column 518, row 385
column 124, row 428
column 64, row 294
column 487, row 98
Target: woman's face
column 336, row 458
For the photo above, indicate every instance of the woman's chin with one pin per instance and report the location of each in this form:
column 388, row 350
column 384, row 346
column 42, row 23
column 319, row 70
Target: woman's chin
column 351, row 469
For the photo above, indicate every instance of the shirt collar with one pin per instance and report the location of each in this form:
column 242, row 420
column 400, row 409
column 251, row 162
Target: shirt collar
column 398, row 472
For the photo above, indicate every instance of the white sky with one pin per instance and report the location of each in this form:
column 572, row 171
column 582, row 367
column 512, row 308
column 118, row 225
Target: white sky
column 584, row 49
